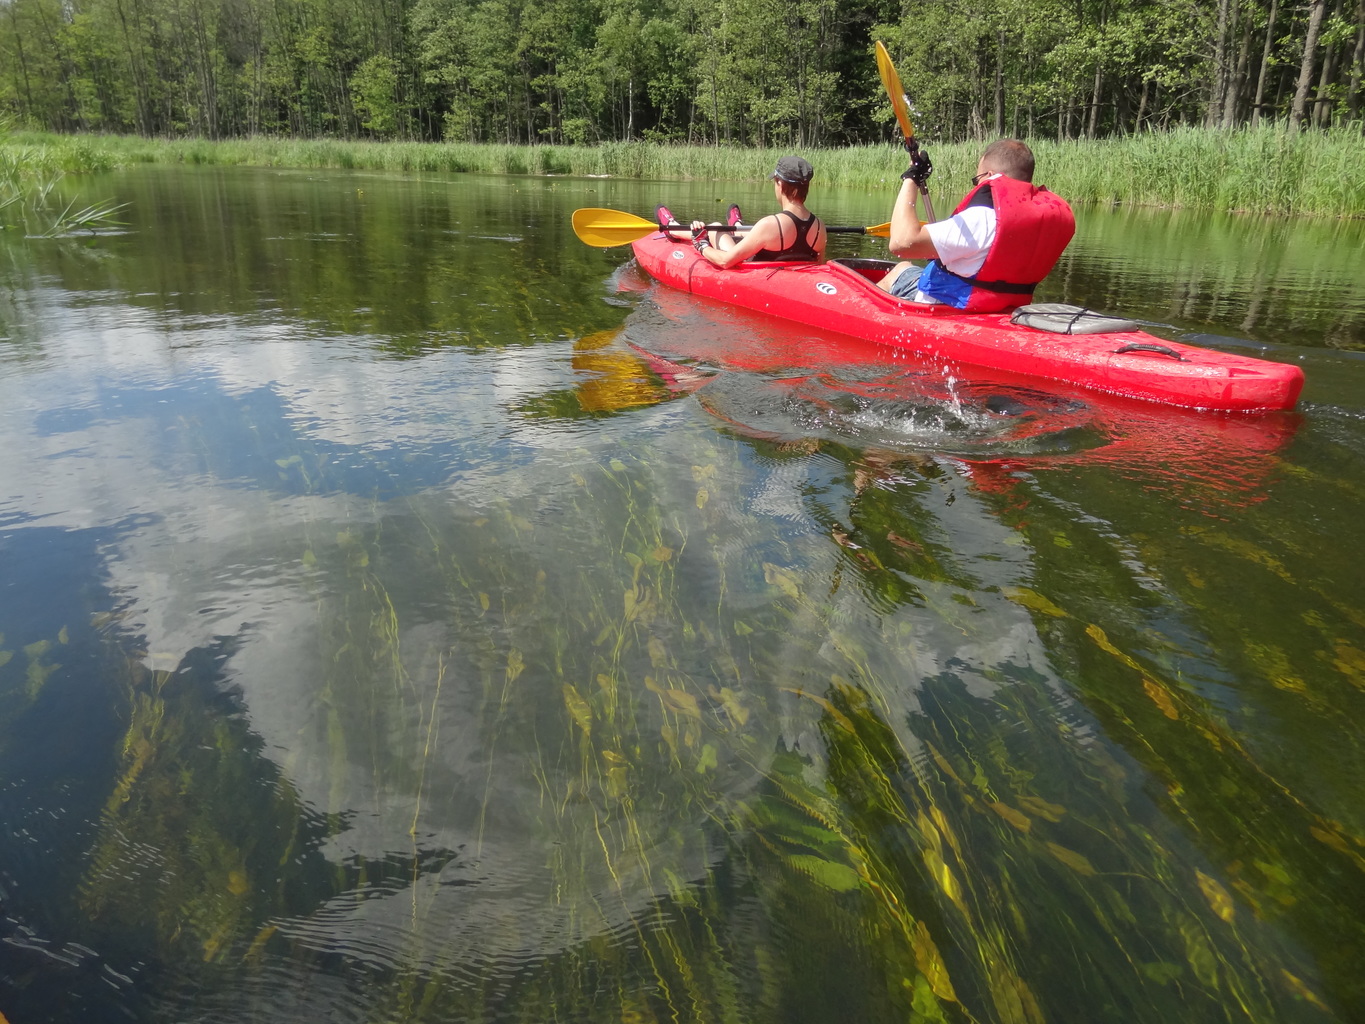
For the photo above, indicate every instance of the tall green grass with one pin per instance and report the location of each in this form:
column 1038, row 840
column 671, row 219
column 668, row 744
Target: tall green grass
column 29, row 171
column 1267, row 169
column 1262, row 170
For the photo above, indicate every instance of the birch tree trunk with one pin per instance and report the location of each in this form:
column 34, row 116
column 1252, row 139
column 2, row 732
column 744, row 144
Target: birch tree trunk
column 1265, row 63
column 1095, row 104
column 1357, row 64
column 1310, row 48
column 1237, row 77
column 1220, row 68
column 1000, row 84
column 1322, row 105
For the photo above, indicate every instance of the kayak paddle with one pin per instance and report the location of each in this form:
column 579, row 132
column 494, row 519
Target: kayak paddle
column 900, row 103
column 606, row 228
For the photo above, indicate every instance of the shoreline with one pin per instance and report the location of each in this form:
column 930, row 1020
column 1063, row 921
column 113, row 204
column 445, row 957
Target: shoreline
column 1263, row 170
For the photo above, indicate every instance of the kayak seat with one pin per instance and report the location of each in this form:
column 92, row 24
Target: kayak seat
column 1061, row 318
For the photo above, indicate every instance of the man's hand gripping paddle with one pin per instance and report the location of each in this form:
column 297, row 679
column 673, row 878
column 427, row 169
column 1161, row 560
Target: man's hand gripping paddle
column 920, row 167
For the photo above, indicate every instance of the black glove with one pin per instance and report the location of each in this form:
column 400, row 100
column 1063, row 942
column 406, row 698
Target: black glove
column 920, row 167
column 701, row 242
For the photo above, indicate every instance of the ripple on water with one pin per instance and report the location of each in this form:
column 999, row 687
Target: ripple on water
column 905, row 411
column 776, row 380
column 476, row 924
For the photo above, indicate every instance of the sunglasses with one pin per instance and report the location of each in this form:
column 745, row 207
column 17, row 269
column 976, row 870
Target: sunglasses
column 977, row 179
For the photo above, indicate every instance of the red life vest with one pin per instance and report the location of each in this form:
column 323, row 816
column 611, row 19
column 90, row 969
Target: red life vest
column 1032, row 227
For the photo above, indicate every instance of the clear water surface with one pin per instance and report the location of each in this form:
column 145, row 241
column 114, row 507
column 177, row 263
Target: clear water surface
column 410, row 614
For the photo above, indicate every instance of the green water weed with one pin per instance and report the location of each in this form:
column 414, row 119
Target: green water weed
column 694, row 794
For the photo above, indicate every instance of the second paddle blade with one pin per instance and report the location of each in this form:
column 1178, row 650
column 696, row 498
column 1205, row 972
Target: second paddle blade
column 607, row 228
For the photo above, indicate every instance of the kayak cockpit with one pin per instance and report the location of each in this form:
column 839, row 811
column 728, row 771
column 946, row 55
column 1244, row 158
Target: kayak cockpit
column 869, row 272
column 869, row 269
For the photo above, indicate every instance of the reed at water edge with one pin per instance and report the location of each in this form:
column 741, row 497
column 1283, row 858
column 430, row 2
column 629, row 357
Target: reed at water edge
column 1266, row 169
column 29, row 171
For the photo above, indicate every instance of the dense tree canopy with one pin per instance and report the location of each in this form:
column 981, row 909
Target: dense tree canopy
column 763, row 72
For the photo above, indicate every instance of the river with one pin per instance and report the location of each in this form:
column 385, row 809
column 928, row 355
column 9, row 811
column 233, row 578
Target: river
column 408, row 613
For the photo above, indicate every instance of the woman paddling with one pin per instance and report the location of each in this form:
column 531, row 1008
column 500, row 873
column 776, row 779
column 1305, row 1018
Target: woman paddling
column 794, row 235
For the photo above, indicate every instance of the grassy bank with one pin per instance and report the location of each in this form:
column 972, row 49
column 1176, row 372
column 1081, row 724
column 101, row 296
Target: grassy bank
column 30, row 171
column 1262, row 170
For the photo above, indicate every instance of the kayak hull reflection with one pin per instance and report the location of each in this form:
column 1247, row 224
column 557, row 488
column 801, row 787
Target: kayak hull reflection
column 842, row 296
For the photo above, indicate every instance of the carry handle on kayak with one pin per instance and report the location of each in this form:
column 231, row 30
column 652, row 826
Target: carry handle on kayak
column 1142, row 346
column 607, row 228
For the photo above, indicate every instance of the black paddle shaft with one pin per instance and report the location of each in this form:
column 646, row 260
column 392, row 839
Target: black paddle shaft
column 834, row 229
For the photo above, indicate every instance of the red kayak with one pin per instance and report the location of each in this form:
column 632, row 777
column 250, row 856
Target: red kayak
column 841, row 295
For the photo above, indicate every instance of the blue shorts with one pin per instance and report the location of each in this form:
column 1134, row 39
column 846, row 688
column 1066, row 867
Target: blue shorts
column 905, row 286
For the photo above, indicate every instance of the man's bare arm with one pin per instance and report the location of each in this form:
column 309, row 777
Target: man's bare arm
column 909, row 239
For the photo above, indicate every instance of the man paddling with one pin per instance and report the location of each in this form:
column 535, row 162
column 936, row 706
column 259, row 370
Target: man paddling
column 1005, row 236
column 792, row 235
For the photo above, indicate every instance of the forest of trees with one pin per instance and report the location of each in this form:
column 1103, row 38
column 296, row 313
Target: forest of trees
column 760, row 72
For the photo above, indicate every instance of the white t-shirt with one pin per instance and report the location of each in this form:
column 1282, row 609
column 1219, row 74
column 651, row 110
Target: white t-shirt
column 962, row 242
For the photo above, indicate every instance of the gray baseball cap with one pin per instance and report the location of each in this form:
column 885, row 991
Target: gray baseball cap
column 794, row 170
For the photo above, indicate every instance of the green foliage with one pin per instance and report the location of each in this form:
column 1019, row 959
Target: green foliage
column 782, row 73
column 375, row 88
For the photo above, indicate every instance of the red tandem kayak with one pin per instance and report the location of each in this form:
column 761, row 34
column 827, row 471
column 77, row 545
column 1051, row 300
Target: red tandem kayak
column 842, row 296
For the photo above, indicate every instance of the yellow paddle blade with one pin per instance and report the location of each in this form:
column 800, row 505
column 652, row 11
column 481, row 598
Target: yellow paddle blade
column 892, row 83
column 607, row 228
column 879, row 230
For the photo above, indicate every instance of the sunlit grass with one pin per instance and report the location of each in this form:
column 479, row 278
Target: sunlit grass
column 1264, row 169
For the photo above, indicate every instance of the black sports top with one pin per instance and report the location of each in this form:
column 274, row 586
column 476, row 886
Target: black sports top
column 800, row 251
